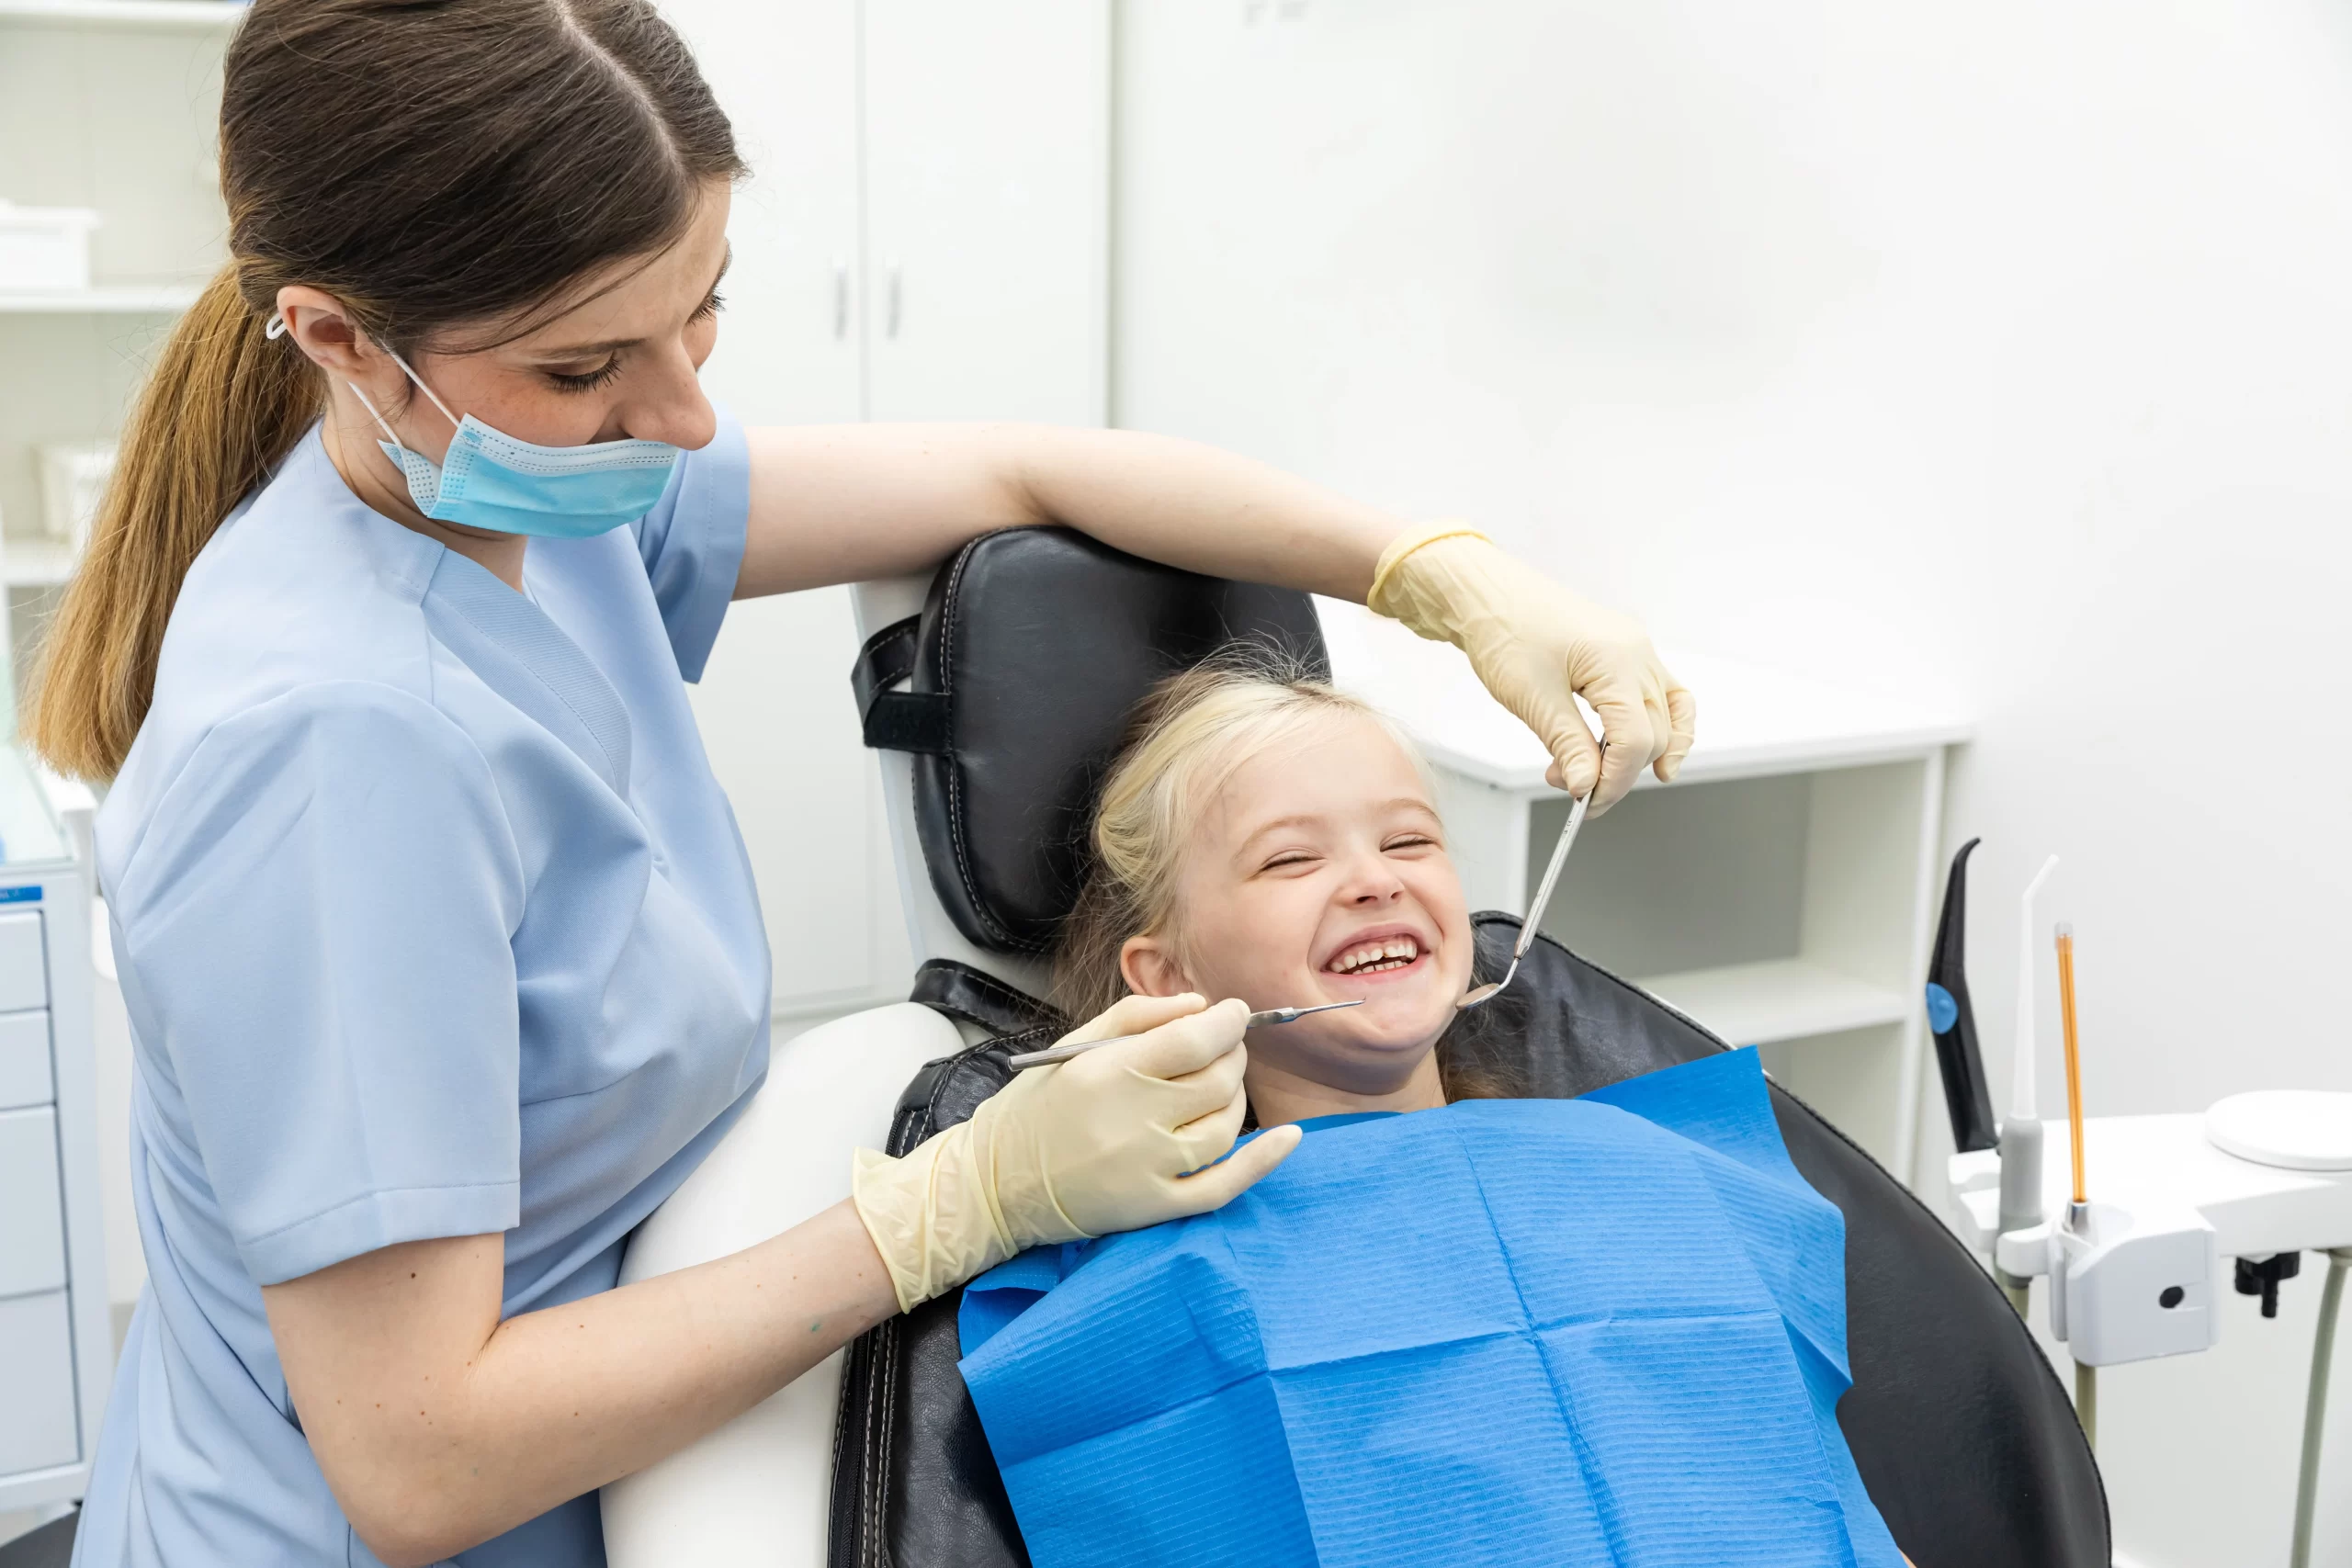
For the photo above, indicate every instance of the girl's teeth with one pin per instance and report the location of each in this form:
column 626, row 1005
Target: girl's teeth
column 1374, row 957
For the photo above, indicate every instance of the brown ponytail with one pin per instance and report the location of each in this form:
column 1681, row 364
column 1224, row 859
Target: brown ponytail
column 221, row 407
column 433, row 164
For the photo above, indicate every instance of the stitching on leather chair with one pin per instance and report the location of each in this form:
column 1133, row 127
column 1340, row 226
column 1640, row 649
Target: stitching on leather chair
column 995, row 1006
column 880, row 1490
column 951, row 624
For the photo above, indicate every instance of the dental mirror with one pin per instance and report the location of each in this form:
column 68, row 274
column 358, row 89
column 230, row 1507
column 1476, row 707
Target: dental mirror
column 1053, row 1053
column 1481, row 995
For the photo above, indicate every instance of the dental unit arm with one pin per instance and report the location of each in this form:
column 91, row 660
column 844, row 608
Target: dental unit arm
column 2258, row 1178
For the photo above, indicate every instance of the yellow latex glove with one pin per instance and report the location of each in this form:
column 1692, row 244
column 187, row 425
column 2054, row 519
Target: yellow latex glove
column 1534, row 644
column 1098, row 1144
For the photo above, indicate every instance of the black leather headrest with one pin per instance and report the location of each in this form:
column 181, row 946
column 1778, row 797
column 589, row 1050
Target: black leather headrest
column 1033, row 649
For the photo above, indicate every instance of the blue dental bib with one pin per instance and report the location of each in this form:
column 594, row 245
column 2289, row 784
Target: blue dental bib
column 1605, row 1332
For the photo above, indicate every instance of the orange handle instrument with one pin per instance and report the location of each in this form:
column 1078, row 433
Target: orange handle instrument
column 2074, row 1056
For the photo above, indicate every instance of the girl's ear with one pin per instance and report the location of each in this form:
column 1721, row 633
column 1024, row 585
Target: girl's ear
column 1150, row 967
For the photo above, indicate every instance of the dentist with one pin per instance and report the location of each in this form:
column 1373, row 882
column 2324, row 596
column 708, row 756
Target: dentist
column 441, row 951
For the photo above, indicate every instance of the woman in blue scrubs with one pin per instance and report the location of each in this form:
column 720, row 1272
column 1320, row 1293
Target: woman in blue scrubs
column 442, row 953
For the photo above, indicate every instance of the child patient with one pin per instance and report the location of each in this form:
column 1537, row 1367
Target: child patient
column 1275, row 841
column 1607, row 1331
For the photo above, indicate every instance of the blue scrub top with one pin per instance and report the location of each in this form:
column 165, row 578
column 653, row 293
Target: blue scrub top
column 432, row 921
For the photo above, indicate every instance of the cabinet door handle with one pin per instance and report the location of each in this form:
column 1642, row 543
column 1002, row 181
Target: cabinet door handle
column 840, row 297
column 891, row 327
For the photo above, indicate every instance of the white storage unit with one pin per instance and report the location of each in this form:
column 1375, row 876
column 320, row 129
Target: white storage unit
column 107, row 108
column 924, row 236
column 1780, row 891
column 56, row 1351
column 41, row 1434
column 44, row 249
column 24, row 1076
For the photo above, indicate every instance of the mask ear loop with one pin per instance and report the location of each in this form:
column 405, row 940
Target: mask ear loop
column 378, row 418
column 453, row 419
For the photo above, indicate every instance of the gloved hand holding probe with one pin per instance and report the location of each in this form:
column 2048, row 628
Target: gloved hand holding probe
column 1536, row 645
column 1114, row 1140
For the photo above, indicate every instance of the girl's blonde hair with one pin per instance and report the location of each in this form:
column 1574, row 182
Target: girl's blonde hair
column 1183, row 742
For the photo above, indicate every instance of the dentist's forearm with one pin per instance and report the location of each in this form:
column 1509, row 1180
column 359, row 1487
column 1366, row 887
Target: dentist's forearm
column 844, row 503
column 438, row 1426
column 1206, row 510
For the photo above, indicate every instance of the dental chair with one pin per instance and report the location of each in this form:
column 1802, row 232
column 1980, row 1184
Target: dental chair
column 997, row 691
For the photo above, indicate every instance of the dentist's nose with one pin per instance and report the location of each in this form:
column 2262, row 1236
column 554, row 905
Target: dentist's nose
column 672, row 407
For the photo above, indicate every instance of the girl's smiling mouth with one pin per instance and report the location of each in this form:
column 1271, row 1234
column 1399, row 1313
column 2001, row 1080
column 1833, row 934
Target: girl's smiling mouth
column 1378, row 954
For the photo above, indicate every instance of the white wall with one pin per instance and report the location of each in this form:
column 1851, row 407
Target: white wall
column 2000, row 353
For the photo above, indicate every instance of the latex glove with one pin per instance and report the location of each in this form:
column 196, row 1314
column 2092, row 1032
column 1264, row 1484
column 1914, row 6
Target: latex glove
column 1101, row 1143
column 1534, row 644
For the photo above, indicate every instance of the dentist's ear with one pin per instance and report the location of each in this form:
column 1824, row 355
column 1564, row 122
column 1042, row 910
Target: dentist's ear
column 323, row 329
column 1149, row 966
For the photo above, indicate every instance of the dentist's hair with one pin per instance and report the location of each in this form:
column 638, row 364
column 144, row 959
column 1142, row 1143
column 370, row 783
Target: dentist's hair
column 433, row 164
column 1183, row 742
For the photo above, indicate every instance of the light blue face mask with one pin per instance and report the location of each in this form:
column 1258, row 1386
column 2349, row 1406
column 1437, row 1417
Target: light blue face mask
column 491, row 481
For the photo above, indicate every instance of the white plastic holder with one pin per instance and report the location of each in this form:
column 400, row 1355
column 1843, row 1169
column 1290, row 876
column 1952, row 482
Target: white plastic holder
column 1975, row 1179
column 2125, row 1284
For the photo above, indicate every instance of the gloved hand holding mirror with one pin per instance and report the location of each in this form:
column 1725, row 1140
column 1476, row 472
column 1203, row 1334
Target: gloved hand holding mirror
column 1537, row 647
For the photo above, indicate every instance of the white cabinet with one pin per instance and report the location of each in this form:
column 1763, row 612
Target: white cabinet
column 118, row 118
column 22, row 984
column 790, row 344
column 55, row 1352
column 25, row 1077
column 925, row 232
column 32, row 1216
column 38, row 1431
column 924, row 236
column 988, row 186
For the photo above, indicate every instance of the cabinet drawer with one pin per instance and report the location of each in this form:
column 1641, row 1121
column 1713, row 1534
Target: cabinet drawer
column 24, row 979
column 32, row 1221
column 24, row 1060
column 37, row 1385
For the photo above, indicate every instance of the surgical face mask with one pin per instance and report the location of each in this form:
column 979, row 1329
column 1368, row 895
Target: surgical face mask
column 490, row 479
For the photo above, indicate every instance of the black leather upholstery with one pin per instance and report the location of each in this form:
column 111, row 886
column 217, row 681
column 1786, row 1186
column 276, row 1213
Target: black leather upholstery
column 1034, row 645
column 1964, row 1436
column 963, row 992
column 914, row 1484
column 49, row 1546
column 1008, row 740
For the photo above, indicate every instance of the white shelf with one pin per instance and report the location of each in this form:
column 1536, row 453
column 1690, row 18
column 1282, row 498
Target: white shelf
column 34, row 562
column 203, row 15
column 160, row 299
column 1752, row 720
column 1786, row 998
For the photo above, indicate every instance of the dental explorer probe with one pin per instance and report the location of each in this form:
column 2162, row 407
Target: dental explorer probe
column 1053, row 1053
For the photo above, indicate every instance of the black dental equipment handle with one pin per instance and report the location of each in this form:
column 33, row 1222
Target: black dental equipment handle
column 2262, row 1278
column 1953, row 1021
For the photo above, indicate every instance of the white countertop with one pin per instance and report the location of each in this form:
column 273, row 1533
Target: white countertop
column 1752, row 720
